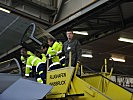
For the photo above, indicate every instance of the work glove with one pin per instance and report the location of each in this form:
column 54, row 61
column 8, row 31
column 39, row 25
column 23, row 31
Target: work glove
column 78, row 62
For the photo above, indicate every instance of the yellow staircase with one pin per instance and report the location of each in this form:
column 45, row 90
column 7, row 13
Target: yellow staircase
column 66, row 85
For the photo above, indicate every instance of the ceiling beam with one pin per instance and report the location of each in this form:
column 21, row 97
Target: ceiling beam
column 84, row 14
column 26, row 15
column 39, row 5
column 59, row 10
column 121, row 16
column 100, row 34
column 76, row 15
column 89, row 28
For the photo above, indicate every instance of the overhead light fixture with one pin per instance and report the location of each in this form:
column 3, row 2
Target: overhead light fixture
column 117, row 57
column 7, row 11
column 125, row 40
column 87, row 55
column 80, row 33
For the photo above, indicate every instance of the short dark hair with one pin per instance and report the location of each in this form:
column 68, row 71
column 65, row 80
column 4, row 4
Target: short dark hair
column 24, row 49
column 69, row 31
column 51, row 39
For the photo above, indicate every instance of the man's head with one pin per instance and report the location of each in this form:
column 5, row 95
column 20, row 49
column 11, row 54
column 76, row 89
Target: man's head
column 37, row 53
column 50, row 41
column 44, row 48
column 24, row 52
column 69, row 35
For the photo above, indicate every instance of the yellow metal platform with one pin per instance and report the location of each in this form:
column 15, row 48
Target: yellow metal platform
column 67, row 85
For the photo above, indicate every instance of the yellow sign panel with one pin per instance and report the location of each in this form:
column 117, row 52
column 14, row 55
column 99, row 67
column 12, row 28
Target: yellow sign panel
column 59, row 79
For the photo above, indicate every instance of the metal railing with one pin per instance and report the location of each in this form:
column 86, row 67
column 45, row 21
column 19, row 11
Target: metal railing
column 5, row 69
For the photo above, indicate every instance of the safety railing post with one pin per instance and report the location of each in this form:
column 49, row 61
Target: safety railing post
column 70, row 58
column 47, row 68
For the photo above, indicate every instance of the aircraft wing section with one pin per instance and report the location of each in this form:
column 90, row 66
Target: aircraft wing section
column 25, row 90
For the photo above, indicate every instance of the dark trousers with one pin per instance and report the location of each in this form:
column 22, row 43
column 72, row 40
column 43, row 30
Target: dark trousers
column 62, row 62
column 33, row 73
column 42, row 67
column 55, row 67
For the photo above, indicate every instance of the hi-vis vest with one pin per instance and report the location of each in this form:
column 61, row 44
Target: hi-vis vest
column 23, row 58
column 44, row 58
column 32, row 61
column 56, row 47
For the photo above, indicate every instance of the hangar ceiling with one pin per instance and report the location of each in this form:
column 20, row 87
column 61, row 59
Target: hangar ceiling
column 105, row 25
column 104, row 30
column 40, row 11
column 105, row 47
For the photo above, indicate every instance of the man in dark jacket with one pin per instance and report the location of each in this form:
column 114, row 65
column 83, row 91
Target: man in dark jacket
column 74, row 46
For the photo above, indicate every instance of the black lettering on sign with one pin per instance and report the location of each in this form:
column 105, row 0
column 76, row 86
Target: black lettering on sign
column 58, row 83
column 58, row 76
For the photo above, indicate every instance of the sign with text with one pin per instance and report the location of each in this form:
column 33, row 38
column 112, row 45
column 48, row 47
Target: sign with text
column 59, row 79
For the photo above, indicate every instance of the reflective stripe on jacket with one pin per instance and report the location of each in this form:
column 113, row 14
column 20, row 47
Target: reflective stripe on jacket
column 52, row 51
column 31, row 61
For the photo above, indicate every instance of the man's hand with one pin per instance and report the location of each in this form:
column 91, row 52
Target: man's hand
column 78, row 62
column 48, row 56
